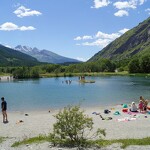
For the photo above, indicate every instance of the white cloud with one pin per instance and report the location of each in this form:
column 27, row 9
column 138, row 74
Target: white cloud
column 101, row 39
column 24, row 12
column 107, row 36
column 128, row 4
column 85, row 37
column 148, row 10
column 123, row 30
column 100, row 3
column 125, row 4
column 81, row 59
column 121, row 13
column 9, row 26
column 78, row 38
column 99, row 42
column 78, row 44
column 23, row 28
column 141, row 2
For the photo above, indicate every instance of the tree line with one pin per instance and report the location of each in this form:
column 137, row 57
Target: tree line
column 134, row 65
column 140, row 64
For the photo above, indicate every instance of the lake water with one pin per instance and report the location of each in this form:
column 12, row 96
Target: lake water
column 47, row 93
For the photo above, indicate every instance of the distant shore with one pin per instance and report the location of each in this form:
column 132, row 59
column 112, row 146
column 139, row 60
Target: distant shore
column 125, row 73
column 24, row 124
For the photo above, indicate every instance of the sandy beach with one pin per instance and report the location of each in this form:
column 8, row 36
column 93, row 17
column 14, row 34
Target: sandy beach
column 32, row 123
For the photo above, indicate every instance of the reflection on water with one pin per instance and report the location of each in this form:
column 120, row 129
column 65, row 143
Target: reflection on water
column 48, row 93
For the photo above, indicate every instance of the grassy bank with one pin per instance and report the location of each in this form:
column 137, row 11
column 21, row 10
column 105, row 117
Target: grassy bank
column 125, row 73
column 50, row 75
column 1, row 139
column 4, row 74
column 39, row 139
column 101, row 143
column 125, row 142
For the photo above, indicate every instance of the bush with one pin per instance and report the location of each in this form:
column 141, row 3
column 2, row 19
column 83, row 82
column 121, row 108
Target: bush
column 145, row 63
column 134, row 66
column 72, row 128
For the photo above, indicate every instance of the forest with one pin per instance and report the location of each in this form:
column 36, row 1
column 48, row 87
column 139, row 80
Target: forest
column 134, row 65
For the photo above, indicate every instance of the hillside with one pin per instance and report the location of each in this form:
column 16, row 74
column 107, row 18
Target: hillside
column 45, row 55
column 134, row 42
column 10, row 57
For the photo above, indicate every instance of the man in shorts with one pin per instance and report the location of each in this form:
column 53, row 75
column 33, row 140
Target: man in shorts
column 4, row 108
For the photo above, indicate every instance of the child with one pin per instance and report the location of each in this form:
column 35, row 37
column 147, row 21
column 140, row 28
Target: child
column 141, row 106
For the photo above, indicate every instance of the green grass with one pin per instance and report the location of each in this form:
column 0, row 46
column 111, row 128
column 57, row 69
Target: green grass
column 5, row 74
column 125, row 142
column 124, row 73
column 38, row 139
column 2, row 139
column 102, row 143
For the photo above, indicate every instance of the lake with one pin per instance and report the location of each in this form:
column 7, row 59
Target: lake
column 49, row 93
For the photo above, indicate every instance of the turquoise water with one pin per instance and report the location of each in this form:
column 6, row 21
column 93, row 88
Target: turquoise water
column 47, row 93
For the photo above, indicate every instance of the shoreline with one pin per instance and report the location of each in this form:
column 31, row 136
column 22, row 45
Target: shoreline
column 121, row 126
column 86, row 107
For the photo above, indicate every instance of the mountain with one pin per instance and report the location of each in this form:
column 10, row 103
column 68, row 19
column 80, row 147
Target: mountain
column 134, row 42
column 11, row 57
column 45, row 55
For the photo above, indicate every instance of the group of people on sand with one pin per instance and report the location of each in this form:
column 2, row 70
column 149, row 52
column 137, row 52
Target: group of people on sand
column 142, row 106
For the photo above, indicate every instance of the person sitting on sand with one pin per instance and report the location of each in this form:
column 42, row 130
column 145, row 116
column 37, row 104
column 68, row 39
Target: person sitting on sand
column 141, row 105
column 133, row 107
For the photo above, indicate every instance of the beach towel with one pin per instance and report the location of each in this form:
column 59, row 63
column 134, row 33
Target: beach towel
column 132, row 113
column 126, row 119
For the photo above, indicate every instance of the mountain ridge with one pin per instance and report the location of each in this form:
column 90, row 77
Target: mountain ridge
column 132, row 43
column 45, row 55
column 11, row 57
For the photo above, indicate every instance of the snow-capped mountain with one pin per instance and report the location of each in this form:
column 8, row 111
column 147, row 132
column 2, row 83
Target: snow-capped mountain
column 45, row 55
column 23, row 48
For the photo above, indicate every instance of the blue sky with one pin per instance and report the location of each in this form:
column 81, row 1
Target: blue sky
column 72, row 28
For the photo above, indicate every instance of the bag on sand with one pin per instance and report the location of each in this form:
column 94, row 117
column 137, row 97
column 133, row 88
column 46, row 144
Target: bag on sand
column 106, row 111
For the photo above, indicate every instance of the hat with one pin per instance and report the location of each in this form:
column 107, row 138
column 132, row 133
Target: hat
column 133, row 102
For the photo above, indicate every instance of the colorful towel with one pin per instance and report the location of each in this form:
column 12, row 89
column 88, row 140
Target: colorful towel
column 126, row 119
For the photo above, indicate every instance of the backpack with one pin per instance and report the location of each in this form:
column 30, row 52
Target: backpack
column 106, row 111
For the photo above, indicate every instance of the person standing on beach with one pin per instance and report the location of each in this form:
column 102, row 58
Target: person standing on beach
column 4, row 108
